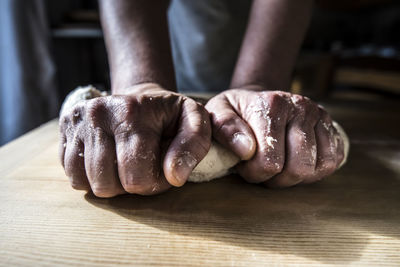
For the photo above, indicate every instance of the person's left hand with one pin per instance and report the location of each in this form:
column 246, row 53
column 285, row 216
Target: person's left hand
column 283, row 139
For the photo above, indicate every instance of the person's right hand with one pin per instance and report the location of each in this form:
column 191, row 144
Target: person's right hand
column 111, row 144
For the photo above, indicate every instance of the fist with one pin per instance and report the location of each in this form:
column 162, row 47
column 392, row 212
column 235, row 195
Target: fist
column 140, row 143
column 283, row 139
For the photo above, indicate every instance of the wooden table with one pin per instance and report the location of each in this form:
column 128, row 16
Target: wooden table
column 351, row 218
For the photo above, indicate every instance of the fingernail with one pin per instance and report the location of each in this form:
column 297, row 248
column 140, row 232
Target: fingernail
column 242, row 144
column 183, row 167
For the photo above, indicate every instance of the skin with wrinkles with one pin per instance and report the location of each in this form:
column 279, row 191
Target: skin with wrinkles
column 294, row 138
column 133, row 144
column 218, row 160
column 217, row 163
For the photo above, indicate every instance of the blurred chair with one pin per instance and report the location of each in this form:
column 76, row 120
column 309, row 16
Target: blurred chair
column 352, row 46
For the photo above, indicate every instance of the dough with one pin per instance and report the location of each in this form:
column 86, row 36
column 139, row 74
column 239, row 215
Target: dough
column 218, row 161
column 346, row 142
column 80, row 94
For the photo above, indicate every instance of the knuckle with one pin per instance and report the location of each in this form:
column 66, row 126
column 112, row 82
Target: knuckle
column 128, row 107
column 306, row 170
column 263, row 173
column 220, row 123
column 63, row 122
column 223, row 119
column 134, row 184
column 323, row 113
column 303, row 102
column 196, row 104
column 95, row 111
column 270, row 169
column 131, row 189
column 328, row 171
column 301, row 172
column 324, row 128
column 270, row 104
column 145, row 182
column 294, row 176
column 319, row 175
column 79, row 186
column 121, row 107
column 205, row 116
column 215, row 102
column 104, row 191
column 297, row 99
column 291, row 179
column 123, row 129
column 67, row 123
column 125, row 117
column 199, row 134
column 277, row 99
column 95, row 103
column 137, row 188
column 327, row 164
column 76, row 115
column 307, row 107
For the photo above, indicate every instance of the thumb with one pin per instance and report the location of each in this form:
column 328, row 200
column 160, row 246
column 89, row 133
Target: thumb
column 190, row 145
column 230, row 130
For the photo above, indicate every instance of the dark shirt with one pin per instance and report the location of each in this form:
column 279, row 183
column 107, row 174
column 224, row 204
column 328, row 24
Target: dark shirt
column 206, row 36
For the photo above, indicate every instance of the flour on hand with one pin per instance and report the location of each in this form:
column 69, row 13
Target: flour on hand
column 217, row 163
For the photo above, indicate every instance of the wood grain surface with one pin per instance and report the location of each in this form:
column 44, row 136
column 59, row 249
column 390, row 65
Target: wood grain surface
column 350, row 218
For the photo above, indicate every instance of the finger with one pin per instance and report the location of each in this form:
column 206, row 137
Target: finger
column 74, row 164
column 190, row 145
column 63, row 126
column 101, row 164
column 301, row 147
column 267, row 117
column 138, row 159
column 230, row 130
column 326, row 150
column 62, row 147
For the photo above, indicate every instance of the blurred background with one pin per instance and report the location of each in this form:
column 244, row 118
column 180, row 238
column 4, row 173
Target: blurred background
column 351, row 54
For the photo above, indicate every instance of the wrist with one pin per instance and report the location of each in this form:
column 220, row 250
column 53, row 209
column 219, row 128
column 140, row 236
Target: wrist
column 128, row 75
column 257, row 84
column 138, row 89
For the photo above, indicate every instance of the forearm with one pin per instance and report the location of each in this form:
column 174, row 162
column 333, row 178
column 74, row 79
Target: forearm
column 137, row 41
column 273, row 37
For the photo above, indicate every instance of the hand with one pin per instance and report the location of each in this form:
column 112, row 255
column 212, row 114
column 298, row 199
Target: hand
column 282, row 138
column 112, row 144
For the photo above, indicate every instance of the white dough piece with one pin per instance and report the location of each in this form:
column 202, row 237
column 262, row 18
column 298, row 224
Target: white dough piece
column 346, row 142
column 78, row 95
column 218, row 161
column 215, row 164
